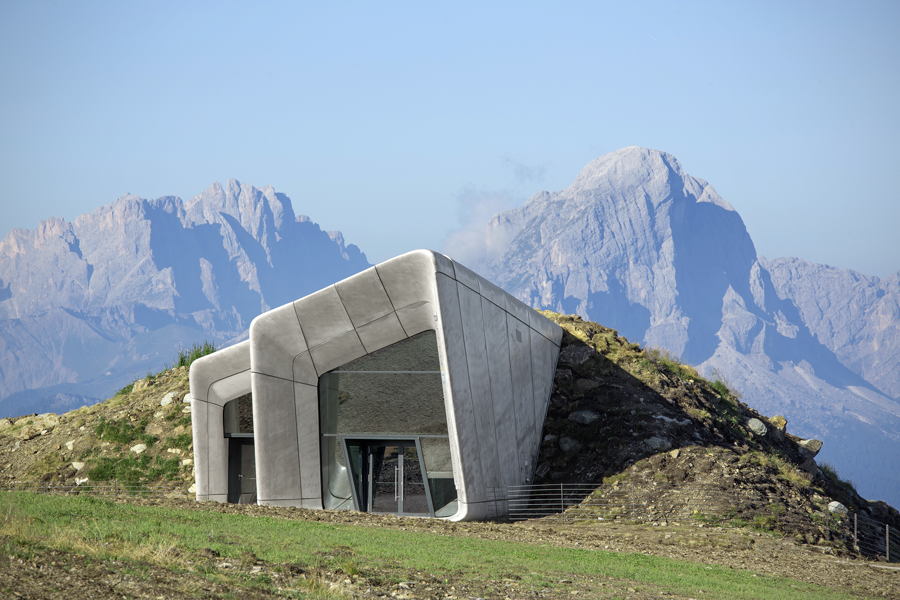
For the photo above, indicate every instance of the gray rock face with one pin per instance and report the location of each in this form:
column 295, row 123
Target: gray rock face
column 836, row 507
column 638, row 244
column 88, row 306
column 584, row 417
column 811, row 446
column 569, row 445
column 757, row 427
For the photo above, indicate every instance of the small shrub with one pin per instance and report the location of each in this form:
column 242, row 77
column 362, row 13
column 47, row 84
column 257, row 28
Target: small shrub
column 186, row 357
column 126, row 390
column 831, row 473
column 133, row 470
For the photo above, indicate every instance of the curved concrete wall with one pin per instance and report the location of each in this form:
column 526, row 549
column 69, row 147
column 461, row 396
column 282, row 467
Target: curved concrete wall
column 497, row 355
column 215, row 379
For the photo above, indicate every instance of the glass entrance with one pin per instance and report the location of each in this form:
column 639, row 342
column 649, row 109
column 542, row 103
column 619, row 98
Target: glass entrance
column 387, row 476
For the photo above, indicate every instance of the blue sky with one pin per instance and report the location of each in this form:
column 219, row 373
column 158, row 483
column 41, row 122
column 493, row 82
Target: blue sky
column 386, row 120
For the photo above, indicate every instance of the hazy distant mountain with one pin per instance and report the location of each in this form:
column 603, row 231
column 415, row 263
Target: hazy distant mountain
column 86, row 307
column 637, row 244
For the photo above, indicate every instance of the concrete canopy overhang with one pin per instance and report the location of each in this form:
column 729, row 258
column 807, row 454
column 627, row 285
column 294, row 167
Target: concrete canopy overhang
column 497, row 360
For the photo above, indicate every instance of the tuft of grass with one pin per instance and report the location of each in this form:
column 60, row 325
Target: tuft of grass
column 667, row 363
column 134, row 470
column 126, row 390
column 186, row 357
column 784, row 470
column 831, row 473
column 123, row 431
column 182, row 441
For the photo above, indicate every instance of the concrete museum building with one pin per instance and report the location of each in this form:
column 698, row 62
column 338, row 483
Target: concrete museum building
column 415, row 387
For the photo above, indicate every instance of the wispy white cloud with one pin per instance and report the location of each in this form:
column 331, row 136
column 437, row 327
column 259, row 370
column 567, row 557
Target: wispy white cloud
column 479, row 239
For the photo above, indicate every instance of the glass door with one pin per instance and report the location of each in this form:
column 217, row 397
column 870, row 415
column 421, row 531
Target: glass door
column 387, row 477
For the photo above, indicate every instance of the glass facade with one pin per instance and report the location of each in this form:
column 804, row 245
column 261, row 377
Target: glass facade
column 383, row 423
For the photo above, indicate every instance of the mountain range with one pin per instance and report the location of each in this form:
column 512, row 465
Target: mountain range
column 635, row 243
column 638, row 244
column 90, row 305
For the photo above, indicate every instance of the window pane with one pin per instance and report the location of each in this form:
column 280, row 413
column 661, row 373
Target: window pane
column 238, row 415
column 439, row 469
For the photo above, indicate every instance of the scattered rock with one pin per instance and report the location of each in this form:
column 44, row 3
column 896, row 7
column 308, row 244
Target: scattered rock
column 811, row 446
column 138, row 448
column 550, row 438
column 674, row 453
column 167, row 399
column 568, row 445
column 586, row 385
column 4, row 423
column 778, row 422
column 192, row 489
column 584, row 417
column 657, row 444
column 187, row 398
column 81, row 480
column 666, row 419
column 835, row 507
column 757, row 427
column 173, row 450
column 187, row 461
column 186, row 409
column 575, row 354
column 140, row 384
column 77, row 465
column 70, row 444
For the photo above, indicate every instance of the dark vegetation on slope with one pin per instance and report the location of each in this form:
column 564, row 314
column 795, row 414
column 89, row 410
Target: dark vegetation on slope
column 651, row 432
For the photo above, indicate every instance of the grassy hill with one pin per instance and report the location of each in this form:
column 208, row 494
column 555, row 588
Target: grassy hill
column 682, row 469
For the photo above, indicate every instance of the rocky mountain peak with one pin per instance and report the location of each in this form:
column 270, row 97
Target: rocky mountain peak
column 636, row 173
column 640, row 245
column 260, row 211
column 86, row 305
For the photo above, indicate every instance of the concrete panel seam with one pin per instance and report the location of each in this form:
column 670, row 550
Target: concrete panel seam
column 462, row 330
column 352, row 324
column 390, row 300
column 296, row 415
column 284, row 378
column 293, row 358
column 515, row 412
column 490, row 387
column 221, row 378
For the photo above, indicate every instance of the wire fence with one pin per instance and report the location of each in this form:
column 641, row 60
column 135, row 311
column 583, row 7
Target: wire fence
column 568, row 502
column 103, row 490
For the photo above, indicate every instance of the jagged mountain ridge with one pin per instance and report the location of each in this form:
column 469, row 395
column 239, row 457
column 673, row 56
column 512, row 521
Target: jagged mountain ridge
column 91, row 304
column 640, row 245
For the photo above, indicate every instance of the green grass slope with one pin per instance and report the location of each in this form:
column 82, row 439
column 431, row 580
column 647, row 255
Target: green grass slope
column 258, row 556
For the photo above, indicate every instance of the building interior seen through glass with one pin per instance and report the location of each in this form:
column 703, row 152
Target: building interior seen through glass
column 384, row 432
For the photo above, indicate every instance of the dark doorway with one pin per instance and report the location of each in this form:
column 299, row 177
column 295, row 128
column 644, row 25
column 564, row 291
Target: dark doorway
column 387, row 477
column 241, row 470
